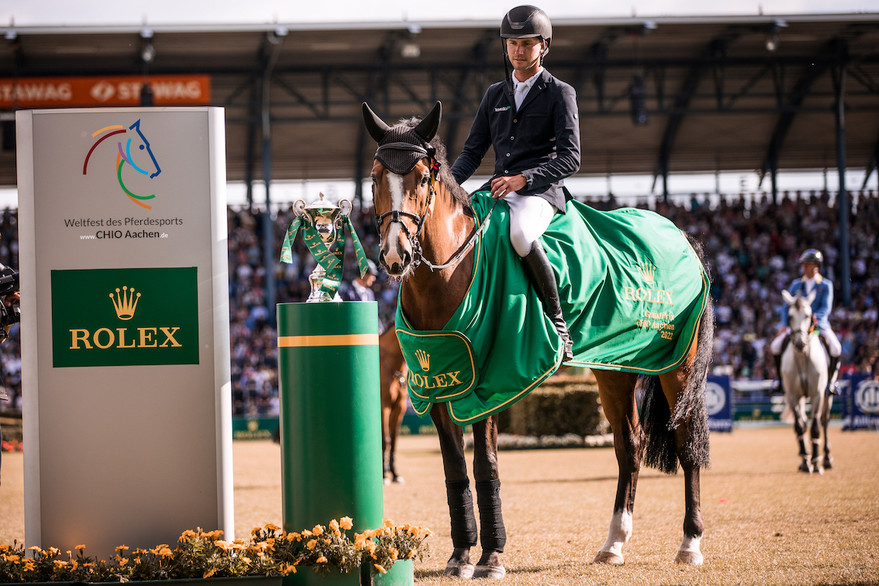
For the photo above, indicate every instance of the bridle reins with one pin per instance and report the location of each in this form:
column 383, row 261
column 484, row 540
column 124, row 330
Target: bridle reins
column 397, row 216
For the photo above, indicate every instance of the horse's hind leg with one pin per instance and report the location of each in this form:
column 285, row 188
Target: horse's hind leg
column 395, row 420
column 387, row 455
column 825, row 420
column 817, row 467
column 689, row 458
column 460, row 499
column 617, row 393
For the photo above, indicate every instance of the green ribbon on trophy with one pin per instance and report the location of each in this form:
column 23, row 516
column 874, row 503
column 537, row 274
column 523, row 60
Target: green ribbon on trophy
column 322, row 225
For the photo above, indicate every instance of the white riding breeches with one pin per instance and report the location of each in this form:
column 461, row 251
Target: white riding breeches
column 833, row 345
column 529, row 218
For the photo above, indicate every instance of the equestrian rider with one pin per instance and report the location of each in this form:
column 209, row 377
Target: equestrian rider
column 531, row 120
column 822, row 305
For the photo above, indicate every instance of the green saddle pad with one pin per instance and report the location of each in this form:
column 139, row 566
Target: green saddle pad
column 632, row 292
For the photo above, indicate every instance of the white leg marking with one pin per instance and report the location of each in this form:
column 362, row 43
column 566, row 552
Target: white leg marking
column 689, row 552
column 619, row 533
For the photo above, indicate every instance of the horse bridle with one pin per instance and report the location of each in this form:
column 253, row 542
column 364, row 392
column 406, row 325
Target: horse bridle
column 397, row 216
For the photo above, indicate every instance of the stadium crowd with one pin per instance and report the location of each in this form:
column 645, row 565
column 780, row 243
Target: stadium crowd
column 751, row 245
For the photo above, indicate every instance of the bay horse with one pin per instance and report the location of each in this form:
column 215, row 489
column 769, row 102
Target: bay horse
column 804, row 376
column 392, row 372
column 427, row 229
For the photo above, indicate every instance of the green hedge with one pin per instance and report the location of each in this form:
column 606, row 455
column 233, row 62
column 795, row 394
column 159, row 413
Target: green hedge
column 565, row 404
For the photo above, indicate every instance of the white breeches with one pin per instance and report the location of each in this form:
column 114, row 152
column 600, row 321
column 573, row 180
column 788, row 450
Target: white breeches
column 829, row 338
column 529, row 218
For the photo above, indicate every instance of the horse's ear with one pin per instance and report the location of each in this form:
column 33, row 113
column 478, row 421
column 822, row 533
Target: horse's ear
column 374, row 125
column 788, row 298
column 427, row 128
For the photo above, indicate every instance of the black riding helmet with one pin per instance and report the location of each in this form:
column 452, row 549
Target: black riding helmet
column 812, row 255
column 524, row 22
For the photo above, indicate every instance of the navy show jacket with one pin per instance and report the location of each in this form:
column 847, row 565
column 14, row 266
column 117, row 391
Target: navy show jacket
column 540, row 141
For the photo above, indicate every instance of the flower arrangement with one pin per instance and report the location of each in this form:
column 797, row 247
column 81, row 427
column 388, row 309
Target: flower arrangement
column 203, row 554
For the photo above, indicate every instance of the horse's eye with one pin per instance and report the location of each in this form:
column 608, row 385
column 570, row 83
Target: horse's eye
column 424, row 180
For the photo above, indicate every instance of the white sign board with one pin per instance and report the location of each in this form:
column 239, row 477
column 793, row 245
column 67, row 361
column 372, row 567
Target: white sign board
column 125, row 328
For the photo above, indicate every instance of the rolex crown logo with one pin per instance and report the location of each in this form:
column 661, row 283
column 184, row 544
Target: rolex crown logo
column 648, row 271
column 423, row 359
column 125, row 302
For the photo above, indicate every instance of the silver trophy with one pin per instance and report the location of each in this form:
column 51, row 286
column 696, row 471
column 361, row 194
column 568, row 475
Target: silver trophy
column 326, row 219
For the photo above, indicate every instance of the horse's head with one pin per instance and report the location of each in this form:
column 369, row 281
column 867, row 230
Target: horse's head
column 136, row 144
column 799, row 317
column 403, row 185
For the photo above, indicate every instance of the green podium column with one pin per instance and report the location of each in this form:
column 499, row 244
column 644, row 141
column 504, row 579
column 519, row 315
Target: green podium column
column 328, row 362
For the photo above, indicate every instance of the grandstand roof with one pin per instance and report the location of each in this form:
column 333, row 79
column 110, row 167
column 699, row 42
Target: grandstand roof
column 737, row 93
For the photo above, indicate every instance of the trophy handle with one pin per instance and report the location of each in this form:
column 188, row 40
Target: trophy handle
column 345, row 207
column 299, row 208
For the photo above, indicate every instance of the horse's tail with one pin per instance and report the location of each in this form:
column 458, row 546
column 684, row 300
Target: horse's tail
column 659, row 424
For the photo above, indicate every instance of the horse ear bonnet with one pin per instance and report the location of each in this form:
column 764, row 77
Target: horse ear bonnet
column 401, row 147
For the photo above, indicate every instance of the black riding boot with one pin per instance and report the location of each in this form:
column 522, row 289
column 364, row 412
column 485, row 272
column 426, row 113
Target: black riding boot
column 778, row 382
column 832, row 371
column 540, row 272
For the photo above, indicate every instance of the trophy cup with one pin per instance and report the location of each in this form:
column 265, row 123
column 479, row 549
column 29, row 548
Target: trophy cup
column 323, row 228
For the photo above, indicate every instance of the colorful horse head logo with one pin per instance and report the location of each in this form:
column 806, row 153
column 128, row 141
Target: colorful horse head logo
column 148, row 166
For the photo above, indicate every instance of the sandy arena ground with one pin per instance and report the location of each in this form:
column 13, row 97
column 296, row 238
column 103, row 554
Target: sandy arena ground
column 765, row 522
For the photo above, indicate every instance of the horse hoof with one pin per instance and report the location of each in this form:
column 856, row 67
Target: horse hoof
column 691, row 558
column 828, row 463
column 608, row 557
column 399, row 480
column 490, row 572
column 804, row 467
column 387, row 481
column 458, row 570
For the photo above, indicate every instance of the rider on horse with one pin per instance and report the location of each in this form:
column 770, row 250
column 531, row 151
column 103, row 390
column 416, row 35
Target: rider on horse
column 822, row 306
column 531, row 120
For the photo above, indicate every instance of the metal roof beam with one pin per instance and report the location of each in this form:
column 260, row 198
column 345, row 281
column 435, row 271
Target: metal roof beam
column 715, row 50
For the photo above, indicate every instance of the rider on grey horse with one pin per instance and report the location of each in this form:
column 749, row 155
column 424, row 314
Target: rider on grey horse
column 822, row 306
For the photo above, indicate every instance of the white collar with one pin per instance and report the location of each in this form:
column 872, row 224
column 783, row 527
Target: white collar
column 528, row 82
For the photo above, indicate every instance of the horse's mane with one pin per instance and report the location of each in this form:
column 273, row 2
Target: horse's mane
column 445, row 171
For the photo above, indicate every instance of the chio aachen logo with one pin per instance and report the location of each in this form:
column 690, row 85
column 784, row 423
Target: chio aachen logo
column 715, row 398
column 140, row 158
column 867, row 396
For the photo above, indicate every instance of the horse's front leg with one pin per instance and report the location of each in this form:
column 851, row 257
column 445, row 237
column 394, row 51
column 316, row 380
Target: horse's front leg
column 458, row 495
column 800, row 422
column 493, row 534
column 617, row 394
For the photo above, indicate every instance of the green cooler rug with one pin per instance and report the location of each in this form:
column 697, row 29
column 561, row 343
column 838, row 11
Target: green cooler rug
column 632, row 291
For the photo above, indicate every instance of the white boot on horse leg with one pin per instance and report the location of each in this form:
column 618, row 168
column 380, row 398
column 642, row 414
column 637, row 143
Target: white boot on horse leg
column 619, row 533
column 689, row 553
column 806, row 465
